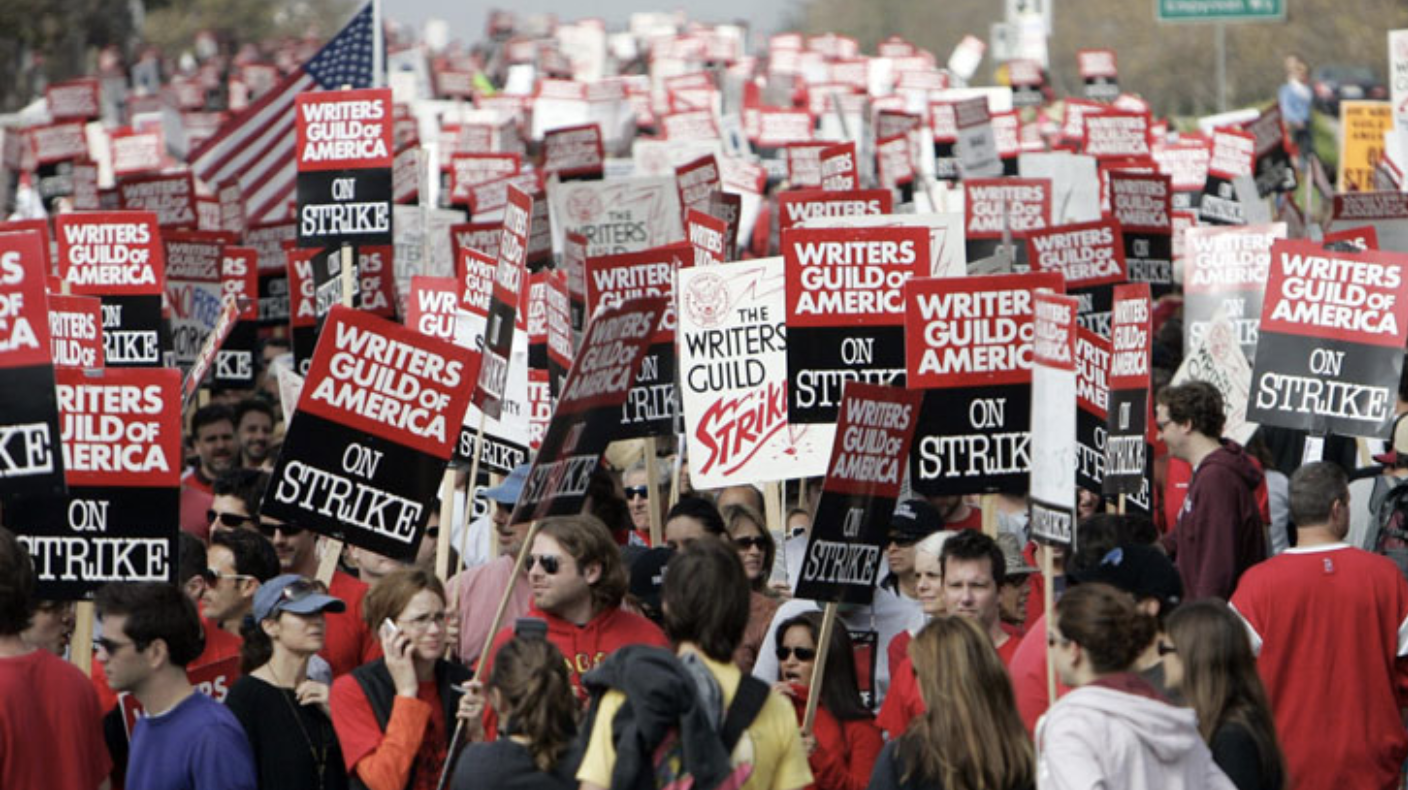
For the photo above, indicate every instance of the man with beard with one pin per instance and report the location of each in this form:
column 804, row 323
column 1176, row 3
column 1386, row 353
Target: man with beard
column 213, row 437
column 254, row 428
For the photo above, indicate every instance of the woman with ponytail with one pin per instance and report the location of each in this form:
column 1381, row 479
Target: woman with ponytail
column 537, row 712
column 1114, row 729
column 284, row 713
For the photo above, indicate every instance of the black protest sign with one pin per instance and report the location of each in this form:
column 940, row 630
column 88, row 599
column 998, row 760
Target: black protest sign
column 845, row 311
column 1092, row 408
column 376, row 421
column 1131, row 342
column 30, row 459
column 653, row 404
column 1053, row 437
column 1273, row 168
column 1333, row 327
column 1141, row 204
column 345, row 159
column 121, row 433
column 588, row 413
column 969, row 341
column 874, row 429
column 1100, row 73
column 302, row 307
column 1091, row 258
column 1233, row 156
column 239, row 278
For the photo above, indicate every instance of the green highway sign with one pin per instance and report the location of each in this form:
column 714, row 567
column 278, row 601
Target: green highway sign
column 1219, row 10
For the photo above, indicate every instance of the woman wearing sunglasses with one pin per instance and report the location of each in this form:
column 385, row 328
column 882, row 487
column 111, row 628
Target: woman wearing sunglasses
column 844, row 741
column 756, row 549
column 284, row 714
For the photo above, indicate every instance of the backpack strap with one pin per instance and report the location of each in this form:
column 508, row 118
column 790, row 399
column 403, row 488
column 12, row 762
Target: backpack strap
column 747, row 703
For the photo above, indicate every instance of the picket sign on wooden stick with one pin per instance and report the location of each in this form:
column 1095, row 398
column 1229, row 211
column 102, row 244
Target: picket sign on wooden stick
column 495, row 480
column 1049, row 607
column 828, row 624
column 80, row 647
column 989, row 508
column 471, row 490
column 652, row 481
column 332, row 548
column 677, row 473
column 447, row 516
column 497, row 622
column 1120, row 509
column 772, row 502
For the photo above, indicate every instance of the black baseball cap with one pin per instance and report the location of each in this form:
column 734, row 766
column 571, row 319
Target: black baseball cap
column 1142, row 571
column 914, row 520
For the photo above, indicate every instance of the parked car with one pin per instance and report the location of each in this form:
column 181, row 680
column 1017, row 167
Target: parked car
column 1335, row 83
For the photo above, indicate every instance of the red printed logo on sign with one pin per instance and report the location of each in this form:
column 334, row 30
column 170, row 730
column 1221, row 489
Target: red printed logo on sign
column 24, row 327
column 344, row 129
column 121, row 427
column 1336, row 295
column 382, row 378
column 114, row 252
column 971, row 331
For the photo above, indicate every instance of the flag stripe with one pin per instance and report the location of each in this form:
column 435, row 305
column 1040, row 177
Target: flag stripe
column 256, row 138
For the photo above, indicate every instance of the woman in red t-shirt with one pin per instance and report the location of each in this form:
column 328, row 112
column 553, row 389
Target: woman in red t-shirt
column 844, row 740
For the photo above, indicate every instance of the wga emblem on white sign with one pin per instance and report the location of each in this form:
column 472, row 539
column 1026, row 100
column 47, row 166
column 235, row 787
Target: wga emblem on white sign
column 706, row 300
column 850, row 528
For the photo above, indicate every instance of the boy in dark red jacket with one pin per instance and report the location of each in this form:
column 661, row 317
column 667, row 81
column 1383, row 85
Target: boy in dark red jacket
column 1219, row 533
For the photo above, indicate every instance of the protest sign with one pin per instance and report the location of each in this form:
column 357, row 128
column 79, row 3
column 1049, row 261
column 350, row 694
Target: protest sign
column 134, row 152
column 231, row 200
column 1385, row 212
column 121, row 432
column 1233, row 156
column 839, row 171
column 995, row 208
column 969, row 339
column 944, row 124
column 481, row 236
column 509, row 276
column 974, row 146
column 225, row 321
column 549, row 326
column 76, row 331
column 171, row 197
column 616, row 216
column 801, row 205
column 733, row 378
column 1091, row 258
column 1099, row 72
column 302, row 307
column 1363, row 124
column 1226, row 269
column 344, row 153
column 574, row 152
column 697, row 181
column 213, row 679
column 1112, row 134
column 193, row 290
column 1026, row 80
column 874, row 429
column 432, row 306
column 471, row 170
column 1356, row 239
column 119, row 257
column 574, row 263
column 1053, row 420
column 1092, row 408
column 1131, row 341
column 804, row 164
column 707, row 237
column 235, row 364
column 1185, row 162
column 1217, row 359
column 1273, row 169
column 652, row 404
column 74, row 99
column 946, row 249
column 30, row 459
column 1333, row 327
column 845, row 311
column 588, row 413
column 376, row 422
column 1140, row 203
column 506, row 438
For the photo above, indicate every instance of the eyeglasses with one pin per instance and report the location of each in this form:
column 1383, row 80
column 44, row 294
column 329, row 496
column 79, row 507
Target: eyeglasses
column 751, row 543
column 1165, row 648
column 637, row 491
column 110, row 646
column 423, row 622
column 551, row 563
column 903, row 541
column 231, row 520
column 802, row 653
column 289, row 530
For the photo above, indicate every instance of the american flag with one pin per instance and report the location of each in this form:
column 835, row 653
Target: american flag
column 256, row 146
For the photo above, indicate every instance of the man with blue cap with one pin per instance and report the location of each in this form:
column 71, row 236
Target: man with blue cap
column 477, row 590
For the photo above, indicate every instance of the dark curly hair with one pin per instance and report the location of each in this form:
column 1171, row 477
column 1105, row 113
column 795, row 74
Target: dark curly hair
column 1197, row 402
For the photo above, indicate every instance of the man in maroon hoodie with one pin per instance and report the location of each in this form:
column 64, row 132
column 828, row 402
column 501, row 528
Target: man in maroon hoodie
column 1219, row 532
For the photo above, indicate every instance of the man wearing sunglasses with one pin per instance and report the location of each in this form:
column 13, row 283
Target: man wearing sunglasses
column 238, row 494
column 186, row 740
column 41, row 693
column 350, row 642
column 239, row 561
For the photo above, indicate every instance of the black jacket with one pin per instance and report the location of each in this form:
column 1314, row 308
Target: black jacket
column 380, row 689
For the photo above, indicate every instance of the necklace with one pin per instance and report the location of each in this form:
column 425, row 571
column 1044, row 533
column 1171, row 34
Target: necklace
column 318, row 753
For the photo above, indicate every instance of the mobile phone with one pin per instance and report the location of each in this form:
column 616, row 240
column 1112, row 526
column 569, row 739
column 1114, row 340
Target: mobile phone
column 388, row 629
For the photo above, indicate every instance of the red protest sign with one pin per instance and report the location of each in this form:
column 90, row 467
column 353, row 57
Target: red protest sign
column 470, row 170
column 839, row 172
column 302, row 301
column 1233, row 153
column 1023, row 205
column 851, row 276
column 1112, row 134
column 1141, row 201
column 503, row 310
column 121, row 427
column 707, row 236
column 1348, row 297
column 574, row 151
column 777, row 127
column 696, row 181
column 894, row 167
column 58, row 142
column 384, row 379
column 804, row 164
column 39, row 226
column 74, row 99
column 481, row 236
column 339, row 130
column 475, row 273
column 1131, row 338
column 172, row 197
column 239, row 278
column 432, row 306
column 612, row 279
column 76, row 331
column 136, row 151
column 112, row 252
column 1364, row 238
column 796, row 206
column 1087, row 254
column 24, row 323
column 971, row 331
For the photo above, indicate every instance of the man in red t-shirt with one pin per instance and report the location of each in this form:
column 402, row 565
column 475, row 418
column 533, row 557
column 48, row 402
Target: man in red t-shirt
column 1329, row 623
column 213, row 437
column 50, row 726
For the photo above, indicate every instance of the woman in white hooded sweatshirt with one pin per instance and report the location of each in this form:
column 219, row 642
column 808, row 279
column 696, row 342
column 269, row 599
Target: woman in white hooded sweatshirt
column 1114, row 730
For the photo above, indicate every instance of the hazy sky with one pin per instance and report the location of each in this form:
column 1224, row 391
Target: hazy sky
column 467, row 18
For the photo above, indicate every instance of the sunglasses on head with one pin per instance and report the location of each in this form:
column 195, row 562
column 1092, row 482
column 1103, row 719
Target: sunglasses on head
column 551, row 563
column 637, row 491
column 298, row 590
column 231, row 520
column 802, row 653
column 751, row 542
column 288, row 530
